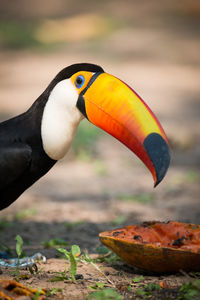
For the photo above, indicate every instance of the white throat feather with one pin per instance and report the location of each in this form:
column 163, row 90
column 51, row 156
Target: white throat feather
column 60, row 120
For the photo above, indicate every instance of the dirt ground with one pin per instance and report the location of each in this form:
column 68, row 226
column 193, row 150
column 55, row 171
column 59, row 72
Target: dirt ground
column 83, row 196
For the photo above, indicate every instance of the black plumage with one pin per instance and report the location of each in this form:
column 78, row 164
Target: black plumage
column 22, row 157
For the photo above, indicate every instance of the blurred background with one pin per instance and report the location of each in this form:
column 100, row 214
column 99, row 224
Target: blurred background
column 154, row 46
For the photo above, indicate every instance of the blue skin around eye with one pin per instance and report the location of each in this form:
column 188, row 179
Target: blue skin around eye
column 79, row 85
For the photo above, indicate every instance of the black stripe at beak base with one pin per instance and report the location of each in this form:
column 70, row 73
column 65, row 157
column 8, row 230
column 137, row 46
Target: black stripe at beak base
column 81, row 105
column 81, row 102
column 159, row 153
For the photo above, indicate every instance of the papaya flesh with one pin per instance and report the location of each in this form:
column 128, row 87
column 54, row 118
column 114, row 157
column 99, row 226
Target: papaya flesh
column 157, row 246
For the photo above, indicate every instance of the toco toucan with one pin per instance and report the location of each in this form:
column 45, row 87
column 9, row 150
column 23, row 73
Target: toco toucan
column 31, row 143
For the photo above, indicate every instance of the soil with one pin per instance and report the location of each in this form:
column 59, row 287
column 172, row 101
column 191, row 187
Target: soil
column 79, row 198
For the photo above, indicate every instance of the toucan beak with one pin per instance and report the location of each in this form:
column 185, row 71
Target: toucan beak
column 114, row 107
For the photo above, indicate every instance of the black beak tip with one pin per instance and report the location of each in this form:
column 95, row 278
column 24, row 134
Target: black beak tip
column 159, row 153
column 158, row 181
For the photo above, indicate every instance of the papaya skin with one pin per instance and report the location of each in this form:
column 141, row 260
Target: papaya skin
column 156, row 256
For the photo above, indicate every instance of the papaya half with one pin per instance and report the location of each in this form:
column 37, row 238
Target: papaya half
column 157, row 246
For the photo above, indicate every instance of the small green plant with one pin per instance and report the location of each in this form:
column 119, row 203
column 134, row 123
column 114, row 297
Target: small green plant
column 105, row 255
column 110, row 258
column 54, row 291
column 72, row 257
column 102, row 250
column 54, row 243
column 105, row 294
column 138, row 279
column 97, row 286
column 190, row 290
column 140, row 292
column 37, row 294
column 60, row 276
column 19, row 245
column 129, row 288
column 152, row 287
column 146, row 291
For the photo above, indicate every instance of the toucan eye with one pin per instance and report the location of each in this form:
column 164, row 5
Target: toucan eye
column 79, row 82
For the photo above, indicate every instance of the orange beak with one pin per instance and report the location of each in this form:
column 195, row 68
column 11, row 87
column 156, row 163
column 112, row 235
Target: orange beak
column 114, row 107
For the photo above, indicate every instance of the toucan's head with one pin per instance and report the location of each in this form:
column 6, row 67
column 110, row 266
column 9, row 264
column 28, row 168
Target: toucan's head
column 110, row 104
